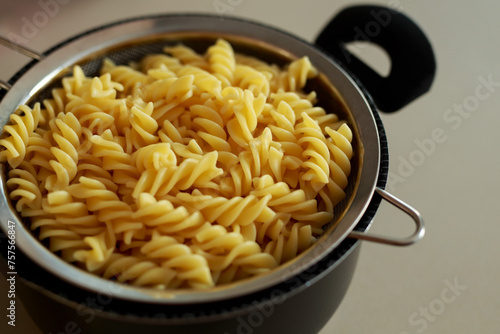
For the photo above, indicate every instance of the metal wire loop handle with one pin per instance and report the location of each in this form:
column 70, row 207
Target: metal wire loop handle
column 19, row 49
column 413, row 213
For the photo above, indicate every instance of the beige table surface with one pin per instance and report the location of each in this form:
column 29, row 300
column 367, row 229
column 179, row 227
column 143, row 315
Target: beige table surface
column 455, row 185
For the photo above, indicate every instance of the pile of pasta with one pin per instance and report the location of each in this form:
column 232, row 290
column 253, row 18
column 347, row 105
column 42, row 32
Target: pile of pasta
column 181, row 170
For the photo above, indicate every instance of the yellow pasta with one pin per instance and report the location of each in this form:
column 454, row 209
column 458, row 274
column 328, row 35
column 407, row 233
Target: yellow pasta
column 23, row 184
column 19, row 131
column 222, row 62
column 181, row 171
column 187, row 56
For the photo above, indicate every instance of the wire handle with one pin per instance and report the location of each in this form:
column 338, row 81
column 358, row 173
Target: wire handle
column 413, row 213
column 19, row 49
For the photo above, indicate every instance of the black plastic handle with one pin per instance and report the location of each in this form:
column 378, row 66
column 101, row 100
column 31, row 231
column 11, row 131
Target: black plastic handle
column 413, row 63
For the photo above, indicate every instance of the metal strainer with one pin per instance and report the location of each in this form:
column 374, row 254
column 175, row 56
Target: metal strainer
column 132, row 39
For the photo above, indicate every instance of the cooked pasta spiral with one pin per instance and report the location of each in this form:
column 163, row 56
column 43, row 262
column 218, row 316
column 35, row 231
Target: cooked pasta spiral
column 221, row 61
column 23, row 187
column 252, row 79
column 295, row 78
column 240, row 211
column 39, row 155
column 189, row 173
column 106, row 206
column 229, row 254
column 66, row 132
column 163, row 62
column 165, row 217
column 188, row 267
column 186, row 56
column 289, row 245
column 315, row 152
column 138, row 271
column 245, row 119
column 19, row 131
column 144, row 126
column 125, row 75
column 53, row 106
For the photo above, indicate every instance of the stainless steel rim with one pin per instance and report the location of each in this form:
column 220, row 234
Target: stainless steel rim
column 114, row 36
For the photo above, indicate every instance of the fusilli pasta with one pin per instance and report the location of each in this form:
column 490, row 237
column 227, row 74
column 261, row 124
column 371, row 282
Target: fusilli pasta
column 185, row 170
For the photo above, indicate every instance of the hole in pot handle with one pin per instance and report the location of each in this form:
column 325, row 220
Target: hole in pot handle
column 413, row 62
column 414, row 214
column 19, row 49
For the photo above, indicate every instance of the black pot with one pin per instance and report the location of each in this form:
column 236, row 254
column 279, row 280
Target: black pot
column 300, row 297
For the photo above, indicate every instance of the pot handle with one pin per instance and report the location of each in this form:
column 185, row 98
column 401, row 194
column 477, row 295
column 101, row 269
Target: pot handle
column 413, row 62
column 414, row 214
column 21, row 50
